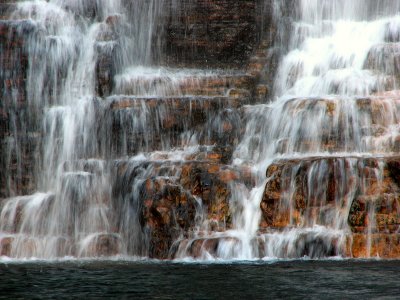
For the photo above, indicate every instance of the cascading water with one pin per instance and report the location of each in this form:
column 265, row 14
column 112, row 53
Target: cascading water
column 89, row 192
column 315, row 136
column 319, row 129
column 63, row 44
column 133, row 157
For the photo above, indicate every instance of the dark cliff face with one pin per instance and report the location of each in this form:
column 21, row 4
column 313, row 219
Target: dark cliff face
column 214, row 33
column 16, row 165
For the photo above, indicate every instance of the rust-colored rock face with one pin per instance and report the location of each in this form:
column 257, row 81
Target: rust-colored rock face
column 322, row 191
column 174, row 199
column 168, row 211
column 374, row 245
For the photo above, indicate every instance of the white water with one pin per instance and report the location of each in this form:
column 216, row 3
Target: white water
column 333, row 58
column 318, row 88
column 73, row 211
column 76, row 211
column 161, row 82
column 339, row 52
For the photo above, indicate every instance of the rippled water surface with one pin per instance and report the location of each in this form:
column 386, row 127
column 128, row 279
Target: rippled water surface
column 165, row 280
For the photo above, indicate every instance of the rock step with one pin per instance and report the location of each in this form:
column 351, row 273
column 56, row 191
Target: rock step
column 112, row 79
column 169, row 198
column 384, row 58
column 177, row 197
column 148, row 124
column 358, row 193
column 375, row 105
column 92, row 166
column 13, row 62
column 182, row 103
column 129, row 126
column 273, row 245
column 181, row 82
column 339, row 125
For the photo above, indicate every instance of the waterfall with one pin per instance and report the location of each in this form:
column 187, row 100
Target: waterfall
column 317, row 138
column 114, row 146
column 70, row 215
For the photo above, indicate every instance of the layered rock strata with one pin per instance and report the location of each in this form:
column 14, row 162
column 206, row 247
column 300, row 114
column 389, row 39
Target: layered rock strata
column 161, row 179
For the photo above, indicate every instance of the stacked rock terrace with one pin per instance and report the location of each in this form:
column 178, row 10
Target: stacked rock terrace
column 166, row 143
column 184, row 123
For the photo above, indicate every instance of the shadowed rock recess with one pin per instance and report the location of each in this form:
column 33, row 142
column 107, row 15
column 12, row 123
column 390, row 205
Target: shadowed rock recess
column 205, row 129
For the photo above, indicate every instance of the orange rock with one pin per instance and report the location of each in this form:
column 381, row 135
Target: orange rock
column 262, row 91
column 375, row 245
column 238, row 93
column 214, row 156
column 168, row 122
column 228, row 176
column 213, row 169
column 149, row 185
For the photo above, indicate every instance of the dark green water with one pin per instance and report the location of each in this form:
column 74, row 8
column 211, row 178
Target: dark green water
column 346, row 279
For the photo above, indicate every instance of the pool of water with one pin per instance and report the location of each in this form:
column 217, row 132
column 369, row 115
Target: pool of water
column 338, row 279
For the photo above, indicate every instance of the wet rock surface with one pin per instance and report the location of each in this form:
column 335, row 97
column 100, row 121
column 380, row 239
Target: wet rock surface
column 375, row 245
column 215, row 33
column 175, row 197
column 216, row 60
column 374, row 119
column 16, row 175
column 312, row 190
column 384, row 58
column 156, row 123
column 227, row 94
